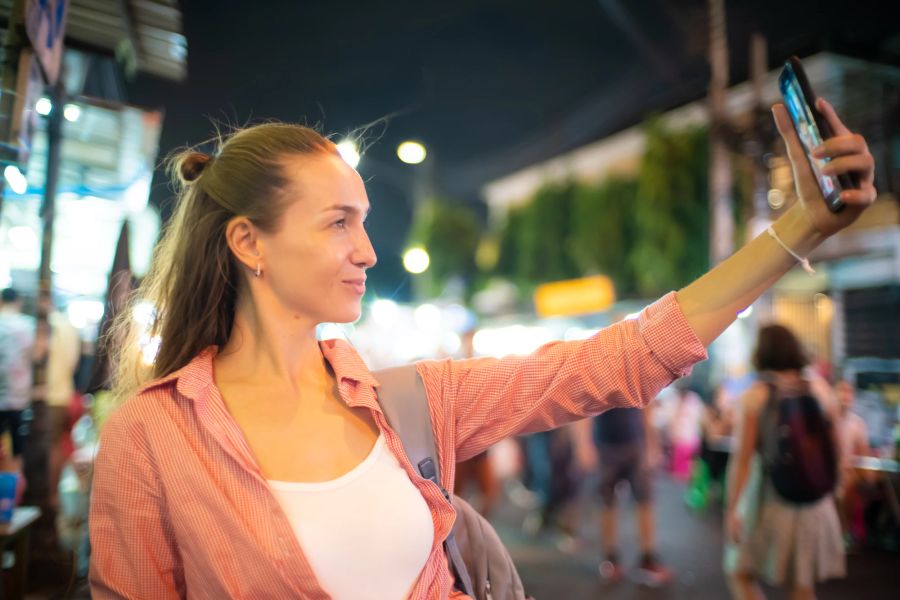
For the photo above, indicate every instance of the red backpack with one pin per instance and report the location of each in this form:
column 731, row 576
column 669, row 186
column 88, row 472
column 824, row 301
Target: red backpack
column 797, row 445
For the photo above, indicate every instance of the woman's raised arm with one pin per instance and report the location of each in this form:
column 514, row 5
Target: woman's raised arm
column 712, row 302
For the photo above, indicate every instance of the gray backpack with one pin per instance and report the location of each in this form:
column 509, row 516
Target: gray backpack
column 481, row 564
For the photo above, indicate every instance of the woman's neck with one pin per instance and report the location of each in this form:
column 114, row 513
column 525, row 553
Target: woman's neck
column 267, row 346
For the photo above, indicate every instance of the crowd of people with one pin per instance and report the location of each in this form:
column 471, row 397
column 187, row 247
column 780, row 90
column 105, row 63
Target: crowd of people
column 722, row 447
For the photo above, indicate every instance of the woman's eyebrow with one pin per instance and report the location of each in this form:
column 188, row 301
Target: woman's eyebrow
column 348, row 208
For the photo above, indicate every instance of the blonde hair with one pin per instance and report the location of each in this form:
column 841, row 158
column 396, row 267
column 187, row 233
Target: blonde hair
column 194, row 280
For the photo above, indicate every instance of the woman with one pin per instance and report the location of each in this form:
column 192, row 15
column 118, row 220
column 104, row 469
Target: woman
column 254, row 461
column 684, row 431
column 783, row 543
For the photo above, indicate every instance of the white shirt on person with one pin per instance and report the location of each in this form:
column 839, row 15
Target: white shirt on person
column 16, row 344
column 373, row 516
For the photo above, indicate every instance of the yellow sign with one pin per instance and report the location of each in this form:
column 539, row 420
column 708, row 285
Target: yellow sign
column 574, row 296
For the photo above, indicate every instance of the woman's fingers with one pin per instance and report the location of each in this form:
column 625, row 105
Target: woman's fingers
column 840, row 146
column 864, row 196
column 863, row 164
column 827, row 111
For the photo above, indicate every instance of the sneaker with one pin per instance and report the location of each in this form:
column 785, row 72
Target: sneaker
column 652, row 573
column 610, row 570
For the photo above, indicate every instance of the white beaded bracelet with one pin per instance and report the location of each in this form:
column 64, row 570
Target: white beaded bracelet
column 804, row 262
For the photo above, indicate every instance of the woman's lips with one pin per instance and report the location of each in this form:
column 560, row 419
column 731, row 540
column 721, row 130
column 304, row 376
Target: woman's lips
column 357, row 285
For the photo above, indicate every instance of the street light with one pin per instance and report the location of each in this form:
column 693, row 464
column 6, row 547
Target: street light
column 72, row 112
column 412, row 153
column 43, row 107
column 416, row 260
column 15, row 179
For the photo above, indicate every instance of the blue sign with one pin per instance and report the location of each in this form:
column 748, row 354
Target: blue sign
column 45, row 23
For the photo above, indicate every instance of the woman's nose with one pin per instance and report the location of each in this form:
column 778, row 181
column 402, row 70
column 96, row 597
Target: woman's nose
column 365, row 253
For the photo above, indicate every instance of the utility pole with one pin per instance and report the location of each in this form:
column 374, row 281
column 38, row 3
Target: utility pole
column 39, row 447
column 758, row 147
column 759, row 142
column 720, row 176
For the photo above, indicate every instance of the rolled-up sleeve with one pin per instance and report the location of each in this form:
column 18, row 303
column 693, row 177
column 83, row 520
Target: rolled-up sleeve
column 478, row 402
column 133, row 550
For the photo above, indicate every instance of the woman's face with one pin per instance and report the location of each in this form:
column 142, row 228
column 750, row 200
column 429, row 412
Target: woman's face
column 315, row 261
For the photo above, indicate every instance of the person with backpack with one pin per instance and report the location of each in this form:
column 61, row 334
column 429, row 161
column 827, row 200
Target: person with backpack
column 782, row 526
column 251, row 460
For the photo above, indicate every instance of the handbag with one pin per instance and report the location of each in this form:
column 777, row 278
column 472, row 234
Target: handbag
column 481, row 564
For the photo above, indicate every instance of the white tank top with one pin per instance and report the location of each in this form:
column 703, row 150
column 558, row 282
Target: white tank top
column 366, row 534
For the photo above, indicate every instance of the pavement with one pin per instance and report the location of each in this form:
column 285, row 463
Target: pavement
column 690, row 542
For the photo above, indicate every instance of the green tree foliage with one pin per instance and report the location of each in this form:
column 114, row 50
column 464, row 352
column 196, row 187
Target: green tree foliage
column 450, row 233
column 671, row 210
column 508, row 250
column 542, row 241
column 602, row 230
column 649, row 234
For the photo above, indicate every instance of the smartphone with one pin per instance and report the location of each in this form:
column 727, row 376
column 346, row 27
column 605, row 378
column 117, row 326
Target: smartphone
column 812, row 129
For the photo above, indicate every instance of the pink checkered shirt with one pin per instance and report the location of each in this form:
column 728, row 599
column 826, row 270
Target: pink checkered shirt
column 180, row 508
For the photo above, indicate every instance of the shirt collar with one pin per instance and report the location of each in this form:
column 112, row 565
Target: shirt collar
column 193, row 379
column 346, row 362
column 190, row 379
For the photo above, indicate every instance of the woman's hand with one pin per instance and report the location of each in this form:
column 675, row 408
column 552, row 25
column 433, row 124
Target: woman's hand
column 848, row 152
column 733, row 527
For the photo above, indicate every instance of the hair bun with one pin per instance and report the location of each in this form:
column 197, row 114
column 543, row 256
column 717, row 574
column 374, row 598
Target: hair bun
column 192, row 164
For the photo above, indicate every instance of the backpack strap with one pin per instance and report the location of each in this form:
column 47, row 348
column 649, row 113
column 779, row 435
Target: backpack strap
column 401, row 394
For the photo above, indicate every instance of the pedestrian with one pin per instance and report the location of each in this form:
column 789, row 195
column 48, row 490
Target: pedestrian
column 782, row 540
column 683, row 428
column 854, row 439
column 550, row 475
column 716, row 440
column 63, row 351
column 623, row 447
column 17, row 352
column 251, row 460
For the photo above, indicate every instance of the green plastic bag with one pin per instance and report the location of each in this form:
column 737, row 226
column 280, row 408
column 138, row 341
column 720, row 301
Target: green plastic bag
column 696, row 495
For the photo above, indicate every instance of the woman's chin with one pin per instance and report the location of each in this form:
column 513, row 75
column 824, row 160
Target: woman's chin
column 347, row 316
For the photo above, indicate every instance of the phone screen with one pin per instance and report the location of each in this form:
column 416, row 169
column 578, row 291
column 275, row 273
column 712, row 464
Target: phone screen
column 809, row 134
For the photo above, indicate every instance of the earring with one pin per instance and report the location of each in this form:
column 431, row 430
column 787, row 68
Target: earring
column 258, row 270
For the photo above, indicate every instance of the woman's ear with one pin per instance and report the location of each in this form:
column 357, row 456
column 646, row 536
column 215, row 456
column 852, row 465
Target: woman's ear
column 242, row 237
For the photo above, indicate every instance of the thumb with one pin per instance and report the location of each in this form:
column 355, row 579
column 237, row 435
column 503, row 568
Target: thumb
column 791, row 140
column 795, row 150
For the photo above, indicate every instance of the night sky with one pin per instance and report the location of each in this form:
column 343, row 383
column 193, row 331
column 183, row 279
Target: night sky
column 488, row 85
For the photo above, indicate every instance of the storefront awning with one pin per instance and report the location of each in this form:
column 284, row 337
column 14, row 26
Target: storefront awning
column 145, row 34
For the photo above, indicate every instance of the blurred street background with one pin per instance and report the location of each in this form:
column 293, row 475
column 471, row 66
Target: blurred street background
column 537, row 171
